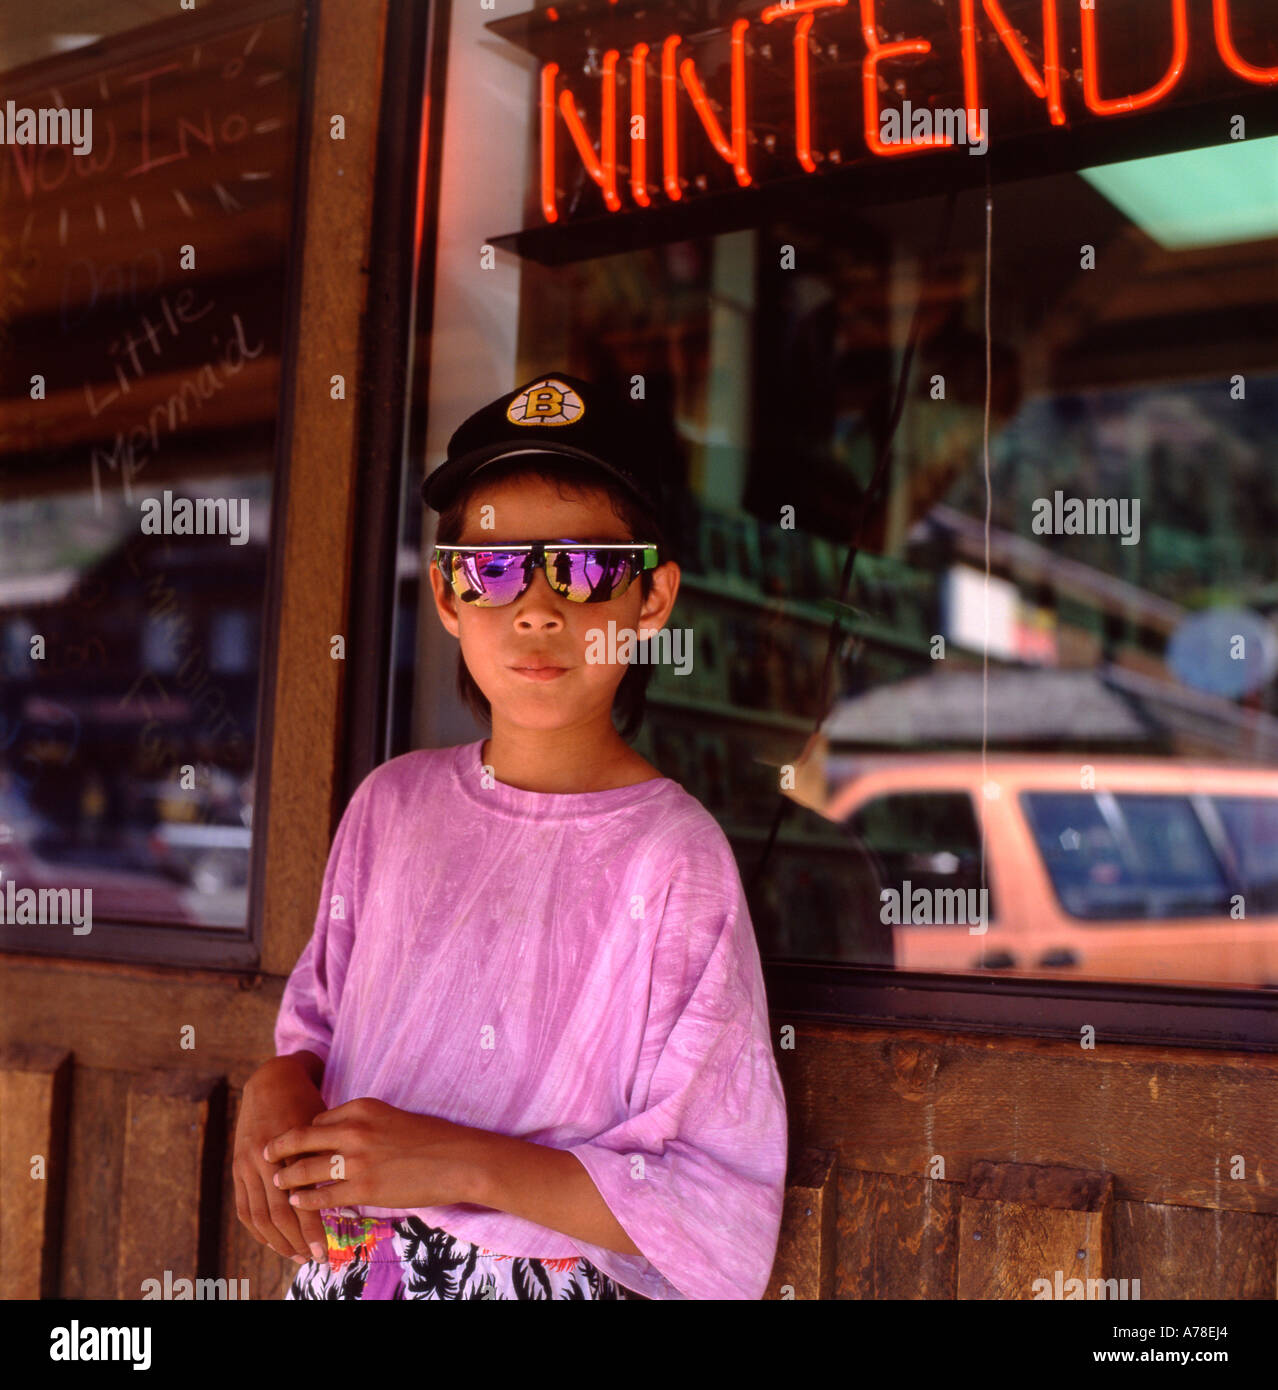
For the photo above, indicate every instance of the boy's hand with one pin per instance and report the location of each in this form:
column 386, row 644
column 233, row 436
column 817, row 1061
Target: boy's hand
column 368, row 1153
column 278, row 1094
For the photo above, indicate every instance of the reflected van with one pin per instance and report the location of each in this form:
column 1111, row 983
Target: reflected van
column 1105, row 869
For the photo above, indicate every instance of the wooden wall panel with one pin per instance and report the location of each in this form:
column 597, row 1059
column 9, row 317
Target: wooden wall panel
column 902, row 1237
column 130, row 1016
column 95, row 1152
column 1020, row 1223
column 898, row 1236
column 1187, row 1253
column 807, row 1250
column 1164, row 1121
column 169, row 1186
column 34, row 1088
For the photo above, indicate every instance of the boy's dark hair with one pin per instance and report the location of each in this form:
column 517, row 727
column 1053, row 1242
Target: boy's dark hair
column 629, row 702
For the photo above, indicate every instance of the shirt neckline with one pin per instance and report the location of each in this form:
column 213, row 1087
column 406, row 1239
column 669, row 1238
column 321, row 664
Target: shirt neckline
column 468, row 771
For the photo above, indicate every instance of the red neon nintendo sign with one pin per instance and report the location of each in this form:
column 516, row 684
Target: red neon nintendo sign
column 664, row 69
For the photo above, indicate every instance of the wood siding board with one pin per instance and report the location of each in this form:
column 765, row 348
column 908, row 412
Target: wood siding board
column 34, row 1093
column 164, row 1191
column 109, row 1013
column 95, row 1154
column 1020, row 1223
column 1188, row 1253
column 1164, row 1121
column 898, row 1236
column 1042, row 1185
column 806, row 1251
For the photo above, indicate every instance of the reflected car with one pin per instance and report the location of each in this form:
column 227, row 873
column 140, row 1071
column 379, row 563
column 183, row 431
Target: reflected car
column 211, row 858
column 120, row 892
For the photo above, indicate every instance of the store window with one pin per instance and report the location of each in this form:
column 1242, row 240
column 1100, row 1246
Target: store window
column 1063, row 592
column 145, row 246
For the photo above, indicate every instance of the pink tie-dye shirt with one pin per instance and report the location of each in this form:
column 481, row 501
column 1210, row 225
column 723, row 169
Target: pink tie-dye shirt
column 574, row 969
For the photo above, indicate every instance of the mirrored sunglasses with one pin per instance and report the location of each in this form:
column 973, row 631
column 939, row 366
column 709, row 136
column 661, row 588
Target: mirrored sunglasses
column 494, row 575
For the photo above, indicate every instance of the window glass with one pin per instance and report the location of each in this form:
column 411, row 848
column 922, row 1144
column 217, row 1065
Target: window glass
column 823, row 900
column 1172, row 850
column 141, row 334
column 1083, row 855
column 926, row 840
column 1251, row 824
column 1128, row 856
column 1095, row 588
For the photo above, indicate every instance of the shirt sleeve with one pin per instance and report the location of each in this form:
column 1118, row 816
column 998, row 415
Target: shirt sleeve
column 308, row 1008
column 696, row 1173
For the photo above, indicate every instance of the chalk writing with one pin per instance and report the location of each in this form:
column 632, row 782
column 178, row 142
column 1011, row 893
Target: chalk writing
column 127, row 453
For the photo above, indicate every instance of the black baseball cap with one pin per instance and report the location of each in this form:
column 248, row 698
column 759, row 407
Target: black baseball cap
column 561, row 416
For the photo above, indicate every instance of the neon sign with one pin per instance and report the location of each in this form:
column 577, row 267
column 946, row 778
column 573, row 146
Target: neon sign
column 1054, row 47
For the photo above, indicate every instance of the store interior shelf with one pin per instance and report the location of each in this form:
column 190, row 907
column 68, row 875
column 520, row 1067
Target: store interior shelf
column 784, row 837
column 866, row 628
column 725, row 711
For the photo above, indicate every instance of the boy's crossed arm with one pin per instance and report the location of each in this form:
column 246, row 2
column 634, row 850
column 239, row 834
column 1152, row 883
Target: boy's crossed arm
column 369, row 1153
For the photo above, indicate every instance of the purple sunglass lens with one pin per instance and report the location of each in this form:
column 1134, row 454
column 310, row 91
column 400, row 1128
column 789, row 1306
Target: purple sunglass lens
column 493, row 578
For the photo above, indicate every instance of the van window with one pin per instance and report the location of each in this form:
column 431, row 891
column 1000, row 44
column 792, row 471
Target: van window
column 929, row 839
column 1132, row 856
column 1251, row 823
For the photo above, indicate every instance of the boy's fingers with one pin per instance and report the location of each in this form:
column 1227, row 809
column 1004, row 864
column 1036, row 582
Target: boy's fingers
column 312, row 1227
column 303, row 1229
column 301, row 1139
column 264, row 1209
column 302, row 1172
column 338, row 1113
column 260, row 1214
column 269, row 1215
column 284, row 1220
column 242, row 1212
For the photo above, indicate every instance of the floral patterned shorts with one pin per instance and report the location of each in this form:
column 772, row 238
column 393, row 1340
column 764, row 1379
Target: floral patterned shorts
column 376, row 1257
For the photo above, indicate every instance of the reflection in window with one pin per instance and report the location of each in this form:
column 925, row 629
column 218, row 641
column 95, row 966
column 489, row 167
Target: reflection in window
column 1128, row 856
column 1251, row 827
column 929, row 840
column 822, row 900
column 1150, row 378
column 146, row 286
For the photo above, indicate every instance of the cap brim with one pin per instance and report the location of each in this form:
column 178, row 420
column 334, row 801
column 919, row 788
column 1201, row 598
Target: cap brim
column 440, row 486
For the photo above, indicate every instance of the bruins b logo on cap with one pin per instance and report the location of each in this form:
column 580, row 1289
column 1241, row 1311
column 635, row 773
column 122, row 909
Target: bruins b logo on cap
column 546, row 402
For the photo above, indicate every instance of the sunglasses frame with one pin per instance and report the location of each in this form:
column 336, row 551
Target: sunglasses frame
column 536, row 550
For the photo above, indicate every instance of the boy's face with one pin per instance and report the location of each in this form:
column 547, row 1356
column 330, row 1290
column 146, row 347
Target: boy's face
column 542, row 626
